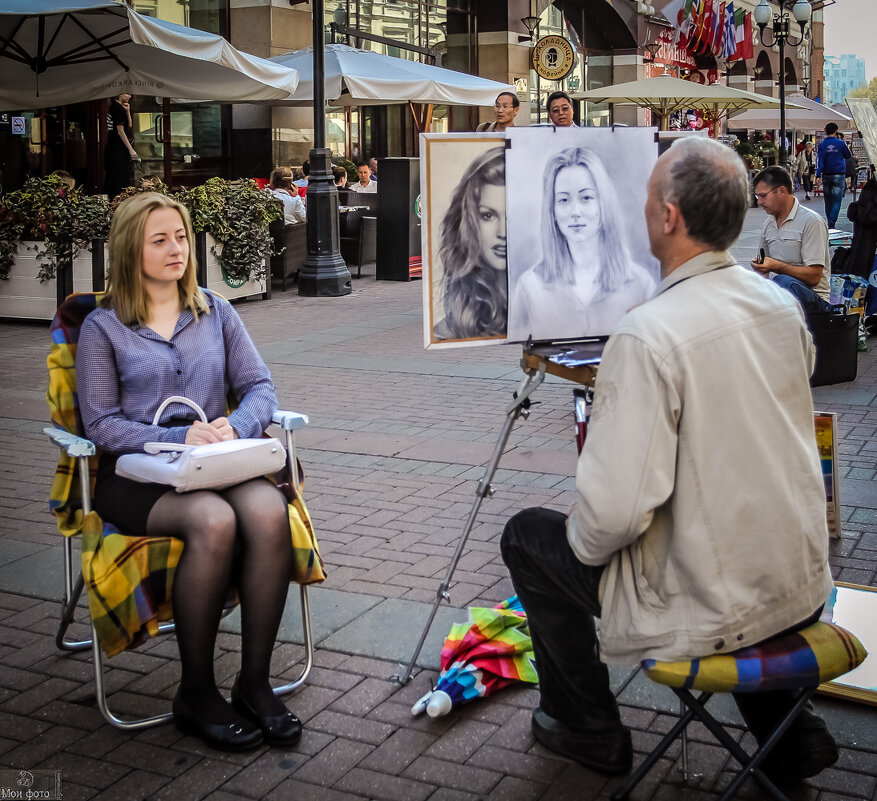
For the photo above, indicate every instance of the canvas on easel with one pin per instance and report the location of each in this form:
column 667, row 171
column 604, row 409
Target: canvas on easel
column 578, row 250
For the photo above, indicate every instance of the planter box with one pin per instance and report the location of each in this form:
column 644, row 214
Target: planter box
column 23, row 296
column 210, row 274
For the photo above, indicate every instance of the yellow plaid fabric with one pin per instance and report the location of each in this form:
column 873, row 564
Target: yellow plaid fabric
column 805, row 658
column 128, row 579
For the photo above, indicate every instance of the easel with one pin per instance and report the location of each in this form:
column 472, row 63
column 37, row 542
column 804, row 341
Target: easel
column 573, row 361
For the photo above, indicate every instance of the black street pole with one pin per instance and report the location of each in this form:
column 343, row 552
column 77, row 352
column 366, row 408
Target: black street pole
column 780, row 32
column 324, row 273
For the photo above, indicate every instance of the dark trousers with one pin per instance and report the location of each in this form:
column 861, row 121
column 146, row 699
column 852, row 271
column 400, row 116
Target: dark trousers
column 560, row 596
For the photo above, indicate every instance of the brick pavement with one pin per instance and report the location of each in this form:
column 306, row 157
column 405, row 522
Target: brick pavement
column 398, row 438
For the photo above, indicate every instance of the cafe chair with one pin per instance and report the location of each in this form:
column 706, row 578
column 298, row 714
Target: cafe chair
column 290, row 245
column 129, row 579
column 362, row 248
column 802, row 659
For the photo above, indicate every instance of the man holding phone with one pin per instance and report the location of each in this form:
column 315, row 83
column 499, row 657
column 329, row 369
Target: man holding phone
column 793, row 251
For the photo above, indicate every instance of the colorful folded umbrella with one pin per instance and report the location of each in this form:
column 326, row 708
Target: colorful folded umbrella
column 490, row 651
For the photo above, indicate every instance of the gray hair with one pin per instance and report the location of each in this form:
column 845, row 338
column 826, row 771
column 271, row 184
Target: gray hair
column 708, row 182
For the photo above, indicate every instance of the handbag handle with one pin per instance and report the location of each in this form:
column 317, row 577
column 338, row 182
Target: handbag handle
column 185, row 402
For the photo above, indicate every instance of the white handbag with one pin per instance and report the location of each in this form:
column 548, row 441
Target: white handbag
column 196, row 467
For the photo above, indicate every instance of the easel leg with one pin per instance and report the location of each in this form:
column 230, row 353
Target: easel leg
column 519, row 406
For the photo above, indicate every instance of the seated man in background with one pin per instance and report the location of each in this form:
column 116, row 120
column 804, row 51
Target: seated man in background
column 373, row 166
column 793, row 251
column 365, row 184
column 700, row 523
column 281, row 186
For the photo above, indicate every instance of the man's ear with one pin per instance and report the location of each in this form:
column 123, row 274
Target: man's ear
column 673, row 221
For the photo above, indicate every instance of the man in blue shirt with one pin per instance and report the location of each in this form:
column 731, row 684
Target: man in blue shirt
column 831, row 171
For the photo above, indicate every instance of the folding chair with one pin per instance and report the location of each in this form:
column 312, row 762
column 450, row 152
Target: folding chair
column 129, row 579
column 798, row 660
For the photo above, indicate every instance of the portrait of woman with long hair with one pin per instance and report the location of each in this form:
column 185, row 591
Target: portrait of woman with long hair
column 585, row 279
column 472, row 251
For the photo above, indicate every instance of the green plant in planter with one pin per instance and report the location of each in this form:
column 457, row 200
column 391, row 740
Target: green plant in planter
column 237, row 214
column 46, row 209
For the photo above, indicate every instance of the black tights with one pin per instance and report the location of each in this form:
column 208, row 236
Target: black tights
column 240, row 534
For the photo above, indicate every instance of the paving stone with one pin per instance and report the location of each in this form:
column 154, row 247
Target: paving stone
column 295, row 789
column 137, row 754
column 327, row 767
column 364, row 697
column 448, row 774
column 384, row 787
column 197, row 782
column 461, row 741
column 398, row 751
column 354, row 728
column 264, row 773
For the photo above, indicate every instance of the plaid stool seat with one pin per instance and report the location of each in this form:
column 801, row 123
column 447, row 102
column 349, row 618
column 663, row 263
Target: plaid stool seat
column 806, row 658
column 799, row 660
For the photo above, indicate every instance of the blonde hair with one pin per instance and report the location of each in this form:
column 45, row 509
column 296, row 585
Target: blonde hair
column 125, row 294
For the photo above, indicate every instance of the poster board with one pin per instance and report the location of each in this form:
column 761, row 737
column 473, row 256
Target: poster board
column 854, row 607
column 865, row 117
column 826, row 442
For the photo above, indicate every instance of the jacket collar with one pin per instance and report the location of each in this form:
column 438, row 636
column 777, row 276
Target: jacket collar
column 701, row 264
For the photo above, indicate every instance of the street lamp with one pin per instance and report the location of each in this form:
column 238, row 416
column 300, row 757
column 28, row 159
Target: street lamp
column 781, row 35
column 324, row 273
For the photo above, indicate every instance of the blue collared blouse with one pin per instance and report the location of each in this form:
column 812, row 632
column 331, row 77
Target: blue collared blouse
column 125, row 372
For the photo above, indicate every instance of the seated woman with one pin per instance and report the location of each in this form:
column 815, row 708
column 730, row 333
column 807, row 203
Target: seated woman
column 472, row 249
column 586, row 280
column 156, row 334
column 281, row 186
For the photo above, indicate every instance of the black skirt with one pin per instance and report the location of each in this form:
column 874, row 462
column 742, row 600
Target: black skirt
column 123, row 502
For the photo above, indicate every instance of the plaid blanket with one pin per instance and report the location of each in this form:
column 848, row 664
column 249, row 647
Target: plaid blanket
column 805, row 658
column 129, row 579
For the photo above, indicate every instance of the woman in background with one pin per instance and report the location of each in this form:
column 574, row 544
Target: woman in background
column 281, row 186
column 472, row 249
column 119, row 151
column 586, row 280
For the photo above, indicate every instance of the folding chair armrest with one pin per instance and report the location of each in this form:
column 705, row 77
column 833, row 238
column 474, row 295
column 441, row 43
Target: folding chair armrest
column 289, row 421
column 73, row 445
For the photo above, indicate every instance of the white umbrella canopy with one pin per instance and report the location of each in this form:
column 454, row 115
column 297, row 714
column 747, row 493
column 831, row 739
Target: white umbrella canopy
column 361, row 78
column 55, row 52
column 666, row 94
column 808, row 116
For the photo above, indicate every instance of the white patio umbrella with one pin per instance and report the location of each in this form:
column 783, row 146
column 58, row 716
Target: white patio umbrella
column 810, row 116
column 55, row 52
column 666, row 94
column 361, row 77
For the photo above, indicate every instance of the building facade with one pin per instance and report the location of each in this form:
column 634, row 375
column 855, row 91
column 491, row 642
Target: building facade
column 842, row 75
column 614, row 41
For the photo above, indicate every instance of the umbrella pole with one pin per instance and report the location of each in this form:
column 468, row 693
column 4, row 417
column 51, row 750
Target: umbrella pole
column 324, row 273
column 519, row 406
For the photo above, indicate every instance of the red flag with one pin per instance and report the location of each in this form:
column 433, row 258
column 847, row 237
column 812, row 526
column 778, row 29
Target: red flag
column 747, row 37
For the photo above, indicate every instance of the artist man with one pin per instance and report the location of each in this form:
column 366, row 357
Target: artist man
column 506, row 109
column 700, row 522
column 794, row 242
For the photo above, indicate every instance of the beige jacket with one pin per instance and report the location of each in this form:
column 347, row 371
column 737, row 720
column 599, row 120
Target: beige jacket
column 700, row 485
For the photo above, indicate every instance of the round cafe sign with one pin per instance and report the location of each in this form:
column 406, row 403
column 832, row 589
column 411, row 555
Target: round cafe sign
column 553, row 58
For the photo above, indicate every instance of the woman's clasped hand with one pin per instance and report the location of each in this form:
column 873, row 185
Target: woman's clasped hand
column 156, row 334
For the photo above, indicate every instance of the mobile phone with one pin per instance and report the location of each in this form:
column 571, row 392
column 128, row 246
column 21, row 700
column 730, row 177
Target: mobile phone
column 760, row 259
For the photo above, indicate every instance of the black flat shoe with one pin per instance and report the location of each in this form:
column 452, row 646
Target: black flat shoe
column 282, row 729
column 607, row 750
column 238, row 736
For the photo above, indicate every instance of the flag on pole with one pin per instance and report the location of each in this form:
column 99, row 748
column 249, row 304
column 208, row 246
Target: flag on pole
column 747, row 36
column 739, row 17
column 719, row 31
column 729, row 39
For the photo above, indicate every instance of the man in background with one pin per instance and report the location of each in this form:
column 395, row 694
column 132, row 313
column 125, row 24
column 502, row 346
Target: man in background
column 373, row 166
column 560, row 111
column 831, row 171
column 506, row 109
column 793, row 251
column 365, row 184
